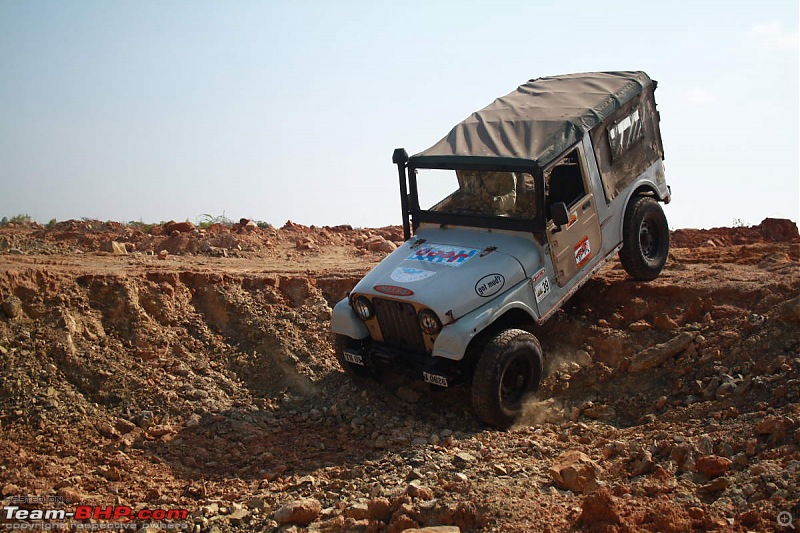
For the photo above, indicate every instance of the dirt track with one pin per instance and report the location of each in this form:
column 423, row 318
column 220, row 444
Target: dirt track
column 206, row 381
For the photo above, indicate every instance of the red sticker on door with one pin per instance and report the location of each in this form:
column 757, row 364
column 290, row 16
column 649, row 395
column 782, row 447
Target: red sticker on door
column 583, row 252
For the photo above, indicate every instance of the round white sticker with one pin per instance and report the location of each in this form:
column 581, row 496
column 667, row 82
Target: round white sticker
column 407, row 275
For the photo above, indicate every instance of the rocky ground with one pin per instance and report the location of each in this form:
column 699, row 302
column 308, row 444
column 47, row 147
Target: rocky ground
column 180, row 367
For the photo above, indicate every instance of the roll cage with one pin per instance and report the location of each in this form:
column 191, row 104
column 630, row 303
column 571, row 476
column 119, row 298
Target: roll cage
column 414, row 215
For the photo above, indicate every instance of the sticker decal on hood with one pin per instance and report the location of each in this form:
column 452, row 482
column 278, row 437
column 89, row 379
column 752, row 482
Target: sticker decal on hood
column 489, row 285
column 444, row 255
column 393, row 290
column 407, row 275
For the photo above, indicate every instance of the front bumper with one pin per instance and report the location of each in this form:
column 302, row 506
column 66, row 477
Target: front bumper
column 377, row 356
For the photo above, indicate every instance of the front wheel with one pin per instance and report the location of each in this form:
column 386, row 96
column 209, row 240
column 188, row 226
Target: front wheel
column 645, row 239
column 509, row 368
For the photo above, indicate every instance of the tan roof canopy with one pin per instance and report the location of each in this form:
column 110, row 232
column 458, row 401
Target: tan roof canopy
column 538, row 121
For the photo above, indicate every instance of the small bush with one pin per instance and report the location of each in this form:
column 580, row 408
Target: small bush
column 739, row 223
column 141, row 226
column 206, row 220
column 19, row 220
column 52, row 223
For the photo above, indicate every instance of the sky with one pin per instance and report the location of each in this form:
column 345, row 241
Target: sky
column 171, row 110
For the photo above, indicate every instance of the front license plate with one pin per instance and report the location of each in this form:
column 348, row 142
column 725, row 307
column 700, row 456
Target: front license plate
column 354, row 358
column 436, row 380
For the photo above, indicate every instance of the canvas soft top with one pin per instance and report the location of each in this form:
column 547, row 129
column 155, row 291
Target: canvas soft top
column 537, row 122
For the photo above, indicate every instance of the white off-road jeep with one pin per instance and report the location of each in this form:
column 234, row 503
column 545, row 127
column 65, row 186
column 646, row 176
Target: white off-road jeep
column 504, row 219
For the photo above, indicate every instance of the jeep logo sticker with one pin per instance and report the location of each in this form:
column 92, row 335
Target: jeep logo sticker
column 443, row 255
column 489, row 285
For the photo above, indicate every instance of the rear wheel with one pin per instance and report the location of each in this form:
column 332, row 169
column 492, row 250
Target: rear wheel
column 509, row 368
column 645, row 239
column 343, row 342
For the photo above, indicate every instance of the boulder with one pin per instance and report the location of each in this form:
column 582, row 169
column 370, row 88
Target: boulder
column 384, row 246
column 778, row 229
column 301, row 512
column 787, row 311
column 306, row 243
column 777, row 427
column 664, row 323
column 114, row 247
column 379, row 509
column 712, row 466
column 599, row 507
column 660, row 353
column 418, row 491
column 377, row 243
column 71, row 495
column 599, row 411
column 292, row 226
column 574, row 470
column 611, row 347
column 357, row 511
column 249, row 225
column 12, row 307
column 434, row 529
column 180, row 227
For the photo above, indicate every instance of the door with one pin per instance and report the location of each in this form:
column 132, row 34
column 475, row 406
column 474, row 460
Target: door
column 574, row 246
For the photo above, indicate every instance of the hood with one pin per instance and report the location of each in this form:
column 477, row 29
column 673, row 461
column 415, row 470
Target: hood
column 452, row 269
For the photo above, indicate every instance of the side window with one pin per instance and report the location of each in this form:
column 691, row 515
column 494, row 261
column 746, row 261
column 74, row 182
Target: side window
column 564, row 182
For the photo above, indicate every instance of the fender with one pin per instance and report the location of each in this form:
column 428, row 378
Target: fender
column 651, row 180
column 454, row 338
column 345, row 322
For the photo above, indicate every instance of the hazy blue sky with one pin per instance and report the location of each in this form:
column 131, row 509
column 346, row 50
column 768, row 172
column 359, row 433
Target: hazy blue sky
column 157, row 110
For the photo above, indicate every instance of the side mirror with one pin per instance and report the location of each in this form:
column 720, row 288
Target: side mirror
column 560, row 214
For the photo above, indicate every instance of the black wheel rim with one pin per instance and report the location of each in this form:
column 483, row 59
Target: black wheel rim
column 516, row 381
column 648, row 239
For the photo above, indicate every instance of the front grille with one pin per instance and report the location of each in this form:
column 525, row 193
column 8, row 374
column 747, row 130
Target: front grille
column 399, row 325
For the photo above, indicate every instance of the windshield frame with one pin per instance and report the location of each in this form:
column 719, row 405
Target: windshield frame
column 536, row 225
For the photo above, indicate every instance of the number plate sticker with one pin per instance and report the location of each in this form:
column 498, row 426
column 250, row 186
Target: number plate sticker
column 354, row 358
column 435, row 379
column 542, row 289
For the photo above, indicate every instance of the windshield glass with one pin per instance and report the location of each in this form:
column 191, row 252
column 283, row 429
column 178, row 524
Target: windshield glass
column 480, row 193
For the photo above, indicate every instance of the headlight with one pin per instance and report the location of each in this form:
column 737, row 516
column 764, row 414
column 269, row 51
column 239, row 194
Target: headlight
column 363, row 308
column 429, row 322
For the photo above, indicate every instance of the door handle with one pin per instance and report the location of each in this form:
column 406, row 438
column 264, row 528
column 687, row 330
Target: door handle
column 586, row 206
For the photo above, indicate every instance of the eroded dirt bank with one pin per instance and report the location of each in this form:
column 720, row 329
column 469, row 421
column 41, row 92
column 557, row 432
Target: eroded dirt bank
column 208, row 382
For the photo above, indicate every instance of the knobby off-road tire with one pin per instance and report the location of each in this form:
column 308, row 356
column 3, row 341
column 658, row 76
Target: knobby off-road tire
column 509, row 368
column 340, row 342
column 645, row 239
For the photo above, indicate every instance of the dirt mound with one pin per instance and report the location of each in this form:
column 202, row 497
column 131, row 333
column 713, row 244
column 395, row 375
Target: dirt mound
column 243, row 239
column 770, row 230
column 249, row 240
column 209, row 383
